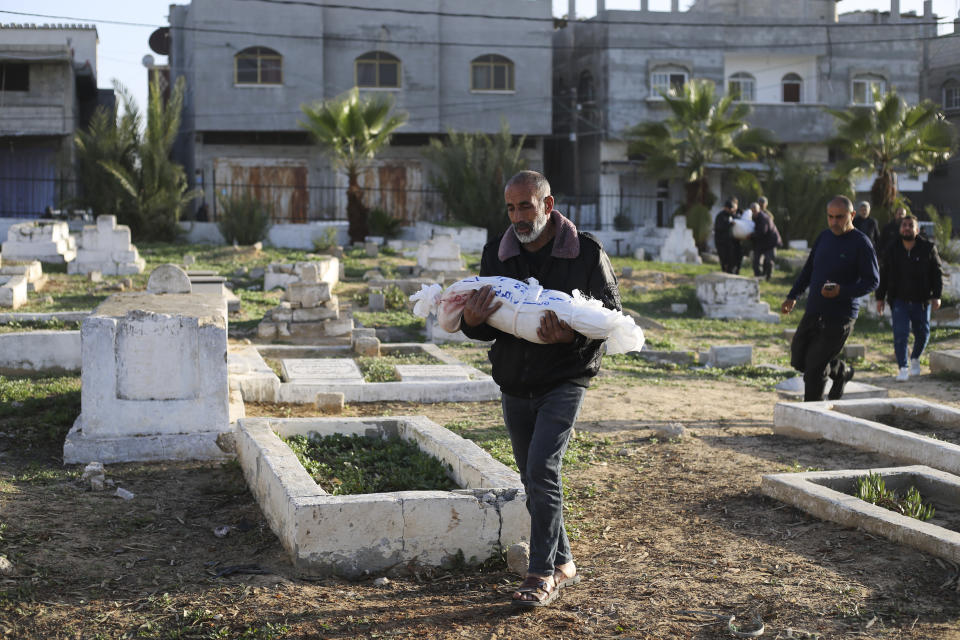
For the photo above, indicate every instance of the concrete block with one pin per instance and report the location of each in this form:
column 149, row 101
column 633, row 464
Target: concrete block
column 330, row 402
column 854, row 351
column 822, row 494
column 678, row 307
column 377, row 301
column 369, row 347
column 33, row 352
column 46, row 241
column 723, row 295
column 372, row 249
column 730, row 355
column 946, row 361
column 307, row 295
column 793, row 389
column 13, row 291
column 627, row 272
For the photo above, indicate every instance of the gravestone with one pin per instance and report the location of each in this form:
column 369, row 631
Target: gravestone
column 43, row 240
column 728, row 355
column 169, row 278
column 106, row 247
column 431, row 372
column 308, row 312
column 280, row 274
column 321, row 370
column 32, row 270
column 13, row 291
column 440, row 254
column 679, row 245
column 154, row 379
column 723, row 295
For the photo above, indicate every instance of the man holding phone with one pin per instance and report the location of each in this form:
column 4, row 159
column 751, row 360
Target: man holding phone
column 841, row 267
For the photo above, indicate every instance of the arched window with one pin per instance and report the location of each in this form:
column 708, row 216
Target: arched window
column 792, row 88
column 668, row 79
column 585, row 92
column 258, row 65
column 743, row 87
column 491, row 73
column 951, row 94
column 377, row 70
column 864, row 86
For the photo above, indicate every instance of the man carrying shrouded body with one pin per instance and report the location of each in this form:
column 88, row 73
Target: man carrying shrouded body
column 542, row 385
column 841, row 267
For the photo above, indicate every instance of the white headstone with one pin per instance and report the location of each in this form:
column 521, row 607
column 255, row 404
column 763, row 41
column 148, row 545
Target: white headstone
column 679, row 246
column 47, row 241
column 321, row 370
column 106, row 247
column 723, row 295
column 440, row 254
column 169, row 278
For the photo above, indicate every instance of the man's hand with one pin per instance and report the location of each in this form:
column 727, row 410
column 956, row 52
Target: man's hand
column 481, row 304
column 830, row 290
column 787, row 306
column 880, row 306
column 934, row 304
column 553, row 330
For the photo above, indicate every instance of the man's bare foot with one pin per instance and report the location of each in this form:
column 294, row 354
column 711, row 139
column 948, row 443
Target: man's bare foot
column 565, row 575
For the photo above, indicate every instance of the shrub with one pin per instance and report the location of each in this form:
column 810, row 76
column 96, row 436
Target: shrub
column 622, row 222
column 871, row 488
column 942, row 232
column 325, row 240
column 383, row 224
column 394, row 298
column 243, row 219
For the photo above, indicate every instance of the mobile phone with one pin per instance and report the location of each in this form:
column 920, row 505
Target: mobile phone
column 830, row 286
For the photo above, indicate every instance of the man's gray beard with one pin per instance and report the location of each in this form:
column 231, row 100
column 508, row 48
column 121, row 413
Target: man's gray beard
column 539, row 224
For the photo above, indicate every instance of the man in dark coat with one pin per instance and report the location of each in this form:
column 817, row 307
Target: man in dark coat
column 766, row 239
column 867, row 225
column 841, row 267
column 542, row 385
column 727, row 245
column 911, row 279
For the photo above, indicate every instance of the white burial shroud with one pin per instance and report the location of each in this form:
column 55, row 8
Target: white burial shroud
column 524, row 304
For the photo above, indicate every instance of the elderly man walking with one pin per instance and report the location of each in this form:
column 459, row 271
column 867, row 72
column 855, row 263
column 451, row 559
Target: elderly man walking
column 841, row 267
column 911, row 279
column 542, row 385
column 867, row 225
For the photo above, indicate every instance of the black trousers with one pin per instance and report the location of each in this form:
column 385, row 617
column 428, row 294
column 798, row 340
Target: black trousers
column 815, row 352
column 766, row 256
column 729, row 257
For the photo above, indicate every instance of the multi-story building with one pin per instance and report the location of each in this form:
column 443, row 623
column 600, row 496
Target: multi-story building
column 48, row 89
column 789, row 60
column 942, row 85
column 450, row 64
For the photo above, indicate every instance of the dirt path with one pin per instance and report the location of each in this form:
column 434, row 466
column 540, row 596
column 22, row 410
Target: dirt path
column 672, row 536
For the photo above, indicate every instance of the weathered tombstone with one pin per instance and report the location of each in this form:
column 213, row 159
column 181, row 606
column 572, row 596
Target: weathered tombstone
column 627, row 272
column 440, row 254
column 106, row 247
column 679, row 246
column 46, row 241
column 169, row 278
column 13, row 291
column 377, row 301
column 723, row 295
column 729, row 355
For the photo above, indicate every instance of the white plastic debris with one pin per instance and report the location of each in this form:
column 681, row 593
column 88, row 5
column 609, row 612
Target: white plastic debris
column 222, row 532
column 524, row 304
column 381, row 582
column 123, row 493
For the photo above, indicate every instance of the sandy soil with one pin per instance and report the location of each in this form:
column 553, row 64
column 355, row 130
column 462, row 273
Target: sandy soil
column 672, row 536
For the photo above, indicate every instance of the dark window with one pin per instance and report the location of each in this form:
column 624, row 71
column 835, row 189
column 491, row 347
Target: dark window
column 14, row 77
column 491, row 73
column 258, row 65
column 377, row 70
column 792, row 85
column 585, row 92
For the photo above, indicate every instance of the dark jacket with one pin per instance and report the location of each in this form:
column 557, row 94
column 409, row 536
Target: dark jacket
column 577, row 261
column 723, row 228
column 915, row 276
column 765, row 235
column 888, row 235
column 868, row 227
column 847, row 259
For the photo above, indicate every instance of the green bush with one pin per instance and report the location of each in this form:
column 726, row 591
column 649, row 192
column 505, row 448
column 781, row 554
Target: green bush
column 325, row 240
column 700, row 222
column 622, row 222
column 243, row 219
column 394, row 298
column 942, row 232
column 383, row 224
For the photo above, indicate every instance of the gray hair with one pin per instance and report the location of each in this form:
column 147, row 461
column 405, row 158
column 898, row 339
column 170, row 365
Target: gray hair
column 537, row 181
column 763, row 202
column 842, row 201
column 862, row 204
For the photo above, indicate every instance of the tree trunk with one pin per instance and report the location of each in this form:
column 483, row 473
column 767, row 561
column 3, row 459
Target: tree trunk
column 883, row 194
column 696, row 192
column 356, row 211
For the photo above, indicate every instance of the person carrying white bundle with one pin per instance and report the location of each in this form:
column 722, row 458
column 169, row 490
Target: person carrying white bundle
column 543, row 382
column 523, row 304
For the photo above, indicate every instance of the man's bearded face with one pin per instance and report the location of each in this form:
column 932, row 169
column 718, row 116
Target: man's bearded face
column 909, row 229
column 530, row 231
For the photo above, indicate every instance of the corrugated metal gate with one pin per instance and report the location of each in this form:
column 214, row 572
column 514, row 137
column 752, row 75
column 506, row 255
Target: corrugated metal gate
column 280, row 184
column 28, row 181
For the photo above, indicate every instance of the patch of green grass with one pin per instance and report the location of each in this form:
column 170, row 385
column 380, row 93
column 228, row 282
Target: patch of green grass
column 39, row 410
column 872, row 488
column 46, row 325
column 346, row 465
column 402, row 319
column 383, row 368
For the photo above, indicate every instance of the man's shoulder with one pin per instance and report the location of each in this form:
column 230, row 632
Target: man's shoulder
column 590, row 245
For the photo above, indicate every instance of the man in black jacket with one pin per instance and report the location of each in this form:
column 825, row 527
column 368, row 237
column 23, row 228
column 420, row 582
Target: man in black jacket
column 911, row 278
column 867, row 225
column 728, row 247
column 542, row 385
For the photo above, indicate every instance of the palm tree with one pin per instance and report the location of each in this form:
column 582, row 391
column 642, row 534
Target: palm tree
column 156, row 185
column 352, row 130
column 701, row 128
column 889, row 137
column 470, row 170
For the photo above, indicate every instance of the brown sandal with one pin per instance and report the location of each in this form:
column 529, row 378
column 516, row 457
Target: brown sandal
column 565, row 581
column 535, row 586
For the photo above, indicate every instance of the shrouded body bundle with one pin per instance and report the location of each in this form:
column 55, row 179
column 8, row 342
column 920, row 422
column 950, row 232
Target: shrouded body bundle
column 523, row 305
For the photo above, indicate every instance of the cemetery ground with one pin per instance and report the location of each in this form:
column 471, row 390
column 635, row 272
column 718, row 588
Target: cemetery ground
column 670, row 530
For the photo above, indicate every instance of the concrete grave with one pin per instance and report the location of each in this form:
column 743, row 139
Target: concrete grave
column 210, row 283
column 43, row 240
column 728, row 355
column 792, row 389
column 32, row 270
column 280, row 274
column 355, row 535
column 679, row 246
column 438, row 335
column 308, row 312
column 33, row 352
column 154, row 382
column 945, row 361
column 723, row 295
column 865, row 424
column 441, row 253
column 433, row 372
column 310, row 370
column 828, row 495
column 13, row 291
column 106, row 247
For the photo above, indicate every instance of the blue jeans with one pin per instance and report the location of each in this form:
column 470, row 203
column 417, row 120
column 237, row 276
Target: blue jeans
column 539, row 431
column 907, row 315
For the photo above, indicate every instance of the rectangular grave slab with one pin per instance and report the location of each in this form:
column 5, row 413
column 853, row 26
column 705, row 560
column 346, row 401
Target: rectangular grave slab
column 321, row 370
column 792, row 389
column 824, row 494
column 853, row 422
column 431, row 372
column 945, row 361
column 154, row 380
column 357, row 535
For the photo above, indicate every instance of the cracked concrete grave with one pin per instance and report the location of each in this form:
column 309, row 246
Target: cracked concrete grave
column 355, row 535
column 828, row 495
column 309, row 371
column 908, row 429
